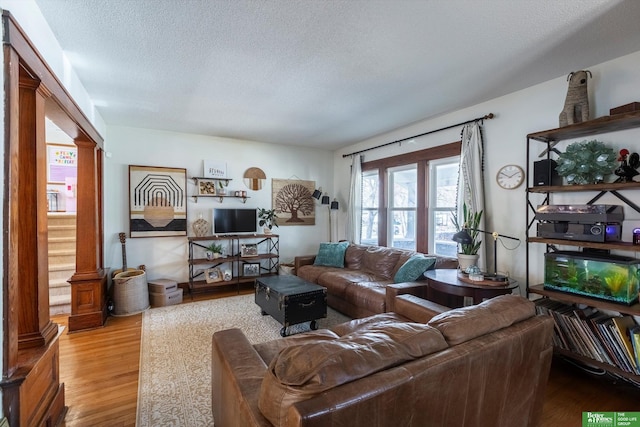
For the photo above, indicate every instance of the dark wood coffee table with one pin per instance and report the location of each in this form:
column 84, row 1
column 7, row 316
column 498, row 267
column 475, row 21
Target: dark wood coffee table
column 291, row 300
column 447, row 282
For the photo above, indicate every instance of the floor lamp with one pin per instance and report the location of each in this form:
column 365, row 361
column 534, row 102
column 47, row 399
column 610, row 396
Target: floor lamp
column 464, row 238
column 325, row 200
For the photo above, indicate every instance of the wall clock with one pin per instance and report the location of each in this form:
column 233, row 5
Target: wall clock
column 510, row 177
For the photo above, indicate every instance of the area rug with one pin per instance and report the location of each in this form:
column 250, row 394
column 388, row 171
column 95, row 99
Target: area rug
column 174, row 385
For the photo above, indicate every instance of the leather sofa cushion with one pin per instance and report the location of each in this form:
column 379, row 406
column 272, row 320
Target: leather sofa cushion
column 381, row 261
column 270, row 349
column 302, row 371
column 353, row 256
column 463, row 324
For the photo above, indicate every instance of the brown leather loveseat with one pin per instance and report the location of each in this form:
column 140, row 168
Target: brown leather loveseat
column 483, row 365
column 358, row 283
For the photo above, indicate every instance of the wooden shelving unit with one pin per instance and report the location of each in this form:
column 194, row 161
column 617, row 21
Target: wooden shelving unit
column 550, row 138
column 267, row 256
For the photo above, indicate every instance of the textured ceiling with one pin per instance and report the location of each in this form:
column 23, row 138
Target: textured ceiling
column 323, row 73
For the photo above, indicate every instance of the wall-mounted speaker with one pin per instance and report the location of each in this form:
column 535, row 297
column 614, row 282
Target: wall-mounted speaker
column 544, row 173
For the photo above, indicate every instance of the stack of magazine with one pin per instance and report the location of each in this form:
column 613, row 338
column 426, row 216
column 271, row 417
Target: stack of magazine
column 614, row 340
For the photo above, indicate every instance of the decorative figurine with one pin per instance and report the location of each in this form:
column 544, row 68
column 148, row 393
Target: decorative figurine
column 576, row 104
column 629, row 162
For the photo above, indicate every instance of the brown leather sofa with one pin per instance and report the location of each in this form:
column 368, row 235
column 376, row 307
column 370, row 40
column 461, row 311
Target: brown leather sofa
column 483, row 365
column 360, row 288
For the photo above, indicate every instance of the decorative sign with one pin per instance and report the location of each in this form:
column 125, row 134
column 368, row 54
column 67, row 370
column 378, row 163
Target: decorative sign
column 214, row 169
column 62, row 163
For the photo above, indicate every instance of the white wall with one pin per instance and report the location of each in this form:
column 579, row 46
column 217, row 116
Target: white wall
column 530, row 110
column 166, row 257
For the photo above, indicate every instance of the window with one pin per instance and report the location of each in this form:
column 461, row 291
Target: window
column 443, row 192
column 402, row 207
column 370, row 203
column 407, row 200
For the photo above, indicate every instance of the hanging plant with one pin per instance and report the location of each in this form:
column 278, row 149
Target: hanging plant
column 586, row 162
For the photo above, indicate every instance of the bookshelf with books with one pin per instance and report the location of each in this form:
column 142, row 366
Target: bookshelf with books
column 584, row 325
column 597, row 338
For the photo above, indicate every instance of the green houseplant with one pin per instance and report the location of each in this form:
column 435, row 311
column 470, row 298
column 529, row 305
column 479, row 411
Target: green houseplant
column 468, row 254
column 267, row 219
column 215, row 249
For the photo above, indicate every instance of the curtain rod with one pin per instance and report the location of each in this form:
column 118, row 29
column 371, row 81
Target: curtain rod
column 487, row 117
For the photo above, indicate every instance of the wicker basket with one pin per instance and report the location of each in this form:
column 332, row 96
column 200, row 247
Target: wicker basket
column 130, row 293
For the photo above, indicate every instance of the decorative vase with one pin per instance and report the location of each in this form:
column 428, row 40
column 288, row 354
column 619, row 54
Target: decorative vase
column 200, row 227
column 266, row 230
column 209, row 255
column 466, row 261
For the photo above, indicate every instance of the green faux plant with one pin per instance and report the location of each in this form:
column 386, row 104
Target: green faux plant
column 268, row 218
column 586, row 162
column 471, row 221
column 216, row 248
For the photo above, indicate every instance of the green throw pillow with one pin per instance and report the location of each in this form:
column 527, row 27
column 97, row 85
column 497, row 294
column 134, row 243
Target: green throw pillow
column 413, row 268
column 331, row 254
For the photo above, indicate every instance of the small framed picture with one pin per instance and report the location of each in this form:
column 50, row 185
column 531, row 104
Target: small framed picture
column 251, row 269
column 213, row 275
column 249, row 249
column 206, row 187
column 214, row 169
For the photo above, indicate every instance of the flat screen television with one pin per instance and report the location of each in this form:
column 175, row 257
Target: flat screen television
column 229, row 221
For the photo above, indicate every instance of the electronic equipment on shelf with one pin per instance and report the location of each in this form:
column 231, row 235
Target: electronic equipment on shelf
column 595, row 232
column 581, row 214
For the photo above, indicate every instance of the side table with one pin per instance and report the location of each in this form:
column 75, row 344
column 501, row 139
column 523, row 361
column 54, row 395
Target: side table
column 444, row 287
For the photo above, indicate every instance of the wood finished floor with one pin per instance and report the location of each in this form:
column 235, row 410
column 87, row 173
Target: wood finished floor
column 100, row 371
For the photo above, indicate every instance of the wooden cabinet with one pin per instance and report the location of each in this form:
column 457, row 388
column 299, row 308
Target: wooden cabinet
column 626, row 193
column 245, row 257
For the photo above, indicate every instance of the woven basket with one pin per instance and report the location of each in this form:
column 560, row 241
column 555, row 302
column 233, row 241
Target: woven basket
column 130, row 293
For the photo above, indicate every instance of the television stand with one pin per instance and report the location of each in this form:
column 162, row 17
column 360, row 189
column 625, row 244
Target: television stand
column 245, row 258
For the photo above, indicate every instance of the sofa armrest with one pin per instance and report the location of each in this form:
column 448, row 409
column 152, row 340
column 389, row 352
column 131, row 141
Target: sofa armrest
column 418, row 309
column 237, row 372
column 299, row 261
column 418, row 289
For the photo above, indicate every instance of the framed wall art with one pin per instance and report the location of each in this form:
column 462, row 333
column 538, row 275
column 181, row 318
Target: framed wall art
column 62, row 163
column 291, row 198
column 251, row 269
column 214, row 169
column 157, row 201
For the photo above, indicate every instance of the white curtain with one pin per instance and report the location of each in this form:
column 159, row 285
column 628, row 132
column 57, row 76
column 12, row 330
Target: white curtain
column 471, row 180
column 354, row 207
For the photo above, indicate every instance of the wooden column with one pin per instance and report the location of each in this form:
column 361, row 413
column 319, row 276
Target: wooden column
column 35, row 329
column 89, row 283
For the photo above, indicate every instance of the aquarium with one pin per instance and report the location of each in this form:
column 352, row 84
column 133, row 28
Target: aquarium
column 608, row 277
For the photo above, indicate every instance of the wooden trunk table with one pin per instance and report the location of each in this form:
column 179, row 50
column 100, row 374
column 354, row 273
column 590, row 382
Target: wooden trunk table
column 291, row 300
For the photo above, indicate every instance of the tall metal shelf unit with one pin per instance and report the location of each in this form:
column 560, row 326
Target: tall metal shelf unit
column 267, row 255
column 549, row 138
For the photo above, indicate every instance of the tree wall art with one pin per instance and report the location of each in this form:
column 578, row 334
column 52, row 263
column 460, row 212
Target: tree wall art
column 291, row 198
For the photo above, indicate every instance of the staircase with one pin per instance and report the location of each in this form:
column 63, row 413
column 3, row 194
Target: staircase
column 62, row 260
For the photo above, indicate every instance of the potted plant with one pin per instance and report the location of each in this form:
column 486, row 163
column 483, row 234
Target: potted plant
column 214, row 250
column 221, row 190
column 268, row 219
column 468, row 254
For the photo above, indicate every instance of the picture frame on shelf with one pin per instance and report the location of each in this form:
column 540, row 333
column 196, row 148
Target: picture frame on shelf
column 251, row 269
column 206, row 187
column 213, row 275
column 214, row 169
column 249, row 249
